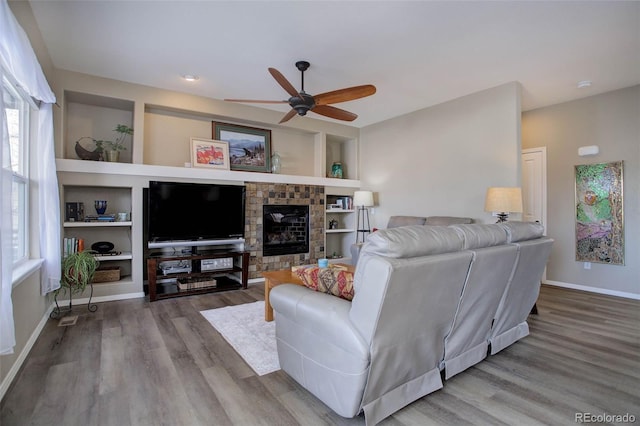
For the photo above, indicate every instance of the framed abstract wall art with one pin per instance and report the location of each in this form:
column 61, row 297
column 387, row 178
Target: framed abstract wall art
column 249, row 147
column 599, row 213
column 209, row 153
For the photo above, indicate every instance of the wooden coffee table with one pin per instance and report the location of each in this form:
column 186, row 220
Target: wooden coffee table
column 284, row 276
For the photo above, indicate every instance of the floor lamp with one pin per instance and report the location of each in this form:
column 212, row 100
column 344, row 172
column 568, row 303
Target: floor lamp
column 503, row 201
column 362, row 200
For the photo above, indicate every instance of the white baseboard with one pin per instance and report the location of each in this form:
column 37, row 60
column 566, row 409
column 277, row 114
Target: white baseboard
column 8, row 379
column 100, row 299
column 598, row 290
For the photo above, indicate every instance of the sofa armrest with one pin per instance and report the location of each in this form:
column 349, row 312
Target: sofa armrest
column 325, row 315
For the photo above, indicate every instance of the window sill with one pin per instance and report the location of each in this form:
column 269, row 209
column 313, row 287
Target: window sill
column 22, row 271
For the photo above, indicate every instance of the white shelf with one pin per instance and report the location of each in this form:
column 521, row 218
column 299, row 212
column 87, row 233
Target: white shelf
column 122, row 256
column 128, row 169
column 339, row 231
column 96, row 224
column 340, row 211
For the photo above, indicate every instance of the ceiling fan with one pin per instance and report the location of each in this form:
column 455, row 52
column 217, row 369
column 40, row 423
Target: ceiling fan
column 301, row 102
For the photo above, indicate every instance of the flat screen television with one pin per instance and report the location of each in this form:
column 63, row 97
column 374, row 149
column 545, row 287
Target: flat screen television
column 182, row 211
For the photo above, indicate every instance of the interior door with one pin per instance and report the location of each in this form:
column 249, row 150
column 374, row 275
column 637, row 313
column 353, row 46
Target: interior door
column 534, row 188
column 534, row 185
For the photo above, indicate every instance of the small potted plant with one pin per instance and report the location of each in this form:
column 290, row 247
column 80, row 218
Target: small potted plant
column 113, row 148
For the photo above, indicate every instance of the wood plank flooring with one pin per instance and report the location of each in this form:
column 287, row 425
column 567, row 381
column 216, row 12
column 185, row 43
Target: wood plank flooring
column 139, row 363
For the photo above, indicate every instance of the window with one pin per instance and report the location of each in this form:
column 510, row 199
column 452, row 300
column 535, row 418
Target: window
column 17, row 115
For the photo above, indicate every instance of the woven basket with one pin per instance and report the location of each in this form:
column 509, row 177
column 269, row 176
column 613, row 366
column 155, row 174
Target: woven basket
column 106, row 274
column 196, row 283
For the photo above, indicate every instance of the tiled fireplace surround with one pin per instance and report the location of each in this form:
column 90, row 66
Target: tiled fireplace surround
column 259, row 194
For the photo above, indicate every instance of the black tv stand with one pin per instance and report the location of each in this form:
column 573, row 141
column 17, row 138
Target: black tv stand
column 230, row 273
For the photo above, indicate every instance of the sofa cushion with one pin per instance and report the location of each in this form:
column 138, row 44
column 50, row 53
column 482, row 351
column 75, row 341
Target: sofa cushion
column 447, row 220
column 522, row 231
column 478, row 235
column 396, row 221
column 335, row 279
column 413, row 241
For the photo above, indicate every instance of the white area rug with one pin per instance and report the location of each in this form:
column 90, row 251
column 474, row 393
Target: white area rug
column 244, row 327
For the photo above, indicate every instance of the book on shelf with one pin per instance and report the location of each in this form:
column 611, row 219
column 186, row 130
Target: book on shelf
column 100, row 218
column 72, row 245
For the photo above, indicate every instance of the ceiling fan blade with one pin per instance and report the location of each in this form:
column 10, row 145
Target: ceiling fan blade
column 256, row 101
column 282, row 81
column 289, row 116
column 344, row 95
column 333, row 112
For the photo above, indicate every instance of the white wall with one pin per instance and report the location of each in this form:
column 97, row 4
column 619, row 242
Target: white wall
column 611, row 121
column 441, row 160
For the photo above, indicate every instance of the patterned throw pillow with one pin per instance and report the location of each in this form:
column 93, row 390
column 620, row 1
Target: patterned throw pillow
column 335, row 279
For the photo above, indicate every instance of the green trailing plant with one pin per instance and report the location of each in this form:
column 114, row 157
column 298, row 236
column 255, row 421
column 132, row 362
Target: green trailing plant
column 77, row 271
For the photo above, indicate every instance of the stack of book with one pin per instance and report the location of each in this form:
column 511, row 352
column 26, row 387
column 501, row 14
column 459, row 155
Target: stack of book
column 100, row 218
column 72, row 245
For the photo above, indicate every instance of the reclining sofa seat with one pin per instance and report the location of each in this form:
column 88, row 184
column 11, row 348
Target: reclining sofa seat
column 398, row 221
column 382, row 350
column 491, row 267
column 510, row 321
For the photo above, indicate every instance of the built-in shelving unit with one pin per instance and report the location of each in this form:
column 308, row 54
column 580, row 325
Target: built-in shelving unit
column 163, row 124
column 118, row 233
column 340, row 227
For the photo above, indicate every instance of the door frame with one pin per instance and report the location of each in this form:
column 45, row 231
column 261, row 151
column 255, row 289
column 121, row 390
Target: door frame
column 543, row 151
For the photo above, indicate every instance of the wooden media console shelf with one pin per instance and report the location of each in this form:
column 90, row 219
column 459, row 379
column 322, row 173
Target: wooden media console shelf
column 199, row 280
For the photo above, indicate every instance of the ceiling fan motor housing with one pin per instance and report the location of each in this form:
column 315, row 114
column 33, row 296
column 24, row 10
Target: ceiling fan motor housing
column 302, row 104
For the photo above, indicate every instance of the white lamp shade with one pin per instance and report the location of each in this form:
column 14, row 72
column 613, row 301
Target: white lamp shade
column 503, row 200
column 363, row 198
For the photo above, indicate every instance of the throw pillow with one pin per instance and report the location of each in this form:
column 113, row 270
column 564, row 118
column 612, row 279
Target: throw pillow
column 335, row 279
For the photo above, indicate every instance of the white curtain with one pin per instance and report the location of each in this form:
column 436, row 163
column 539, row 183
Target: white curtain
column 49, row 201
column 18, row 59
column 7, row 336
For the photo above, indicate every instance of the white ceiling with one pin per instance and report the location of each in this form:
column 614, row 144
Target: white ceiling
column 416, row 53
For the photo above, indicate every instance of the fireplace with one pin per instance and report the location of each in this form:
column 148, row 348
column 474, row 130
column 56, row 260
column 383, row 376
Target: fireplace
column 285, row 229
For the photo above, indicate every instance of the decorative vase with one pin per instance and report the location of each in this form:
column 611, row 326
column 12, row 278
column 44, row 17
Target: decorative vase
column 113, row 156
column 276, row 163
column 336, row 170
column 101, row 206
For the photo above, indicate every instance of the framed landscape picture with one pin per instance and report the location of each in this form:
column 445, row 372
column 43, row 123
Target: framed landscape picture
column 249, row 147
column 599, row 213
column 209, row 153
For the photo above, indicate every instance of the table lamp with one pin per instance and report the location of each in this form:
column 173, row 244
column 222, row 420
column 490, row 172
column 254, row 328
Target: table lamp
column 503, row 201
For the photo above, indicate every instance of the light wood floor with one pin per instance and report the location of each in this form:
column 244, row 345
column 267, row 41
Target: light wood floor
column 140, row 363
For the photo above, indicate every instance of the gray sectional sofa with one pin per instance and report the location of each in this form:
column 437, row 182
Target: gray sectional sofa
column 429, row 302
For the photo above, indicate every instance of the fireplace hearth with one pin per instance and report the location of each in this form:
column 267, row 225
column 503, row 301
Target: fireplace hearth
column 285, row 229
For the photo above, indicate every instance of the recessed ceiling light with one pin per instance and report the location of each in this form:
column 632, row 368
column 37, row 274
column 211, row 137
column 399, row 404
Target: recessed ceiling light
column 190, row 77
column 584, row 83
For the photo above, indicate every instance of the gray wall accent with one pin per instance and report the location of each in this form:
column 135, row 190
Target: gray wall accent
column 439, row 161
column 611, row 121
